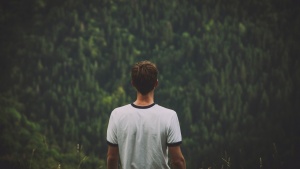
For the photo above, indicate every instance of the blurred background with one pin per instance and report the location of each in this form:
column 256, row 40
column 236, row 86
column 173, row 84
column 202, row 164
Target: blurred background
column 230, row 69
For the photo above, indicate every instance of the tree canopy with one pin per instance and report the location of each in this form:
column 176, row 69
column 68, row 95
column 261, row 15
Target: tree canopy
column 230, row 69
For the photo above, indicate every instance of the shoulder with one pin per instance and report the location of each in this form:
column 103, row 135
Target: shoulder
column 124, row 107
column 164, row 109
column 120, row 109
column 127, row 106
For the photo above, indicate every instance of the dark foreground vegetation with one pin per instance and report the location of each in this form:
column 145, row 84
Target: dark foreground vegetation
column 230, row 69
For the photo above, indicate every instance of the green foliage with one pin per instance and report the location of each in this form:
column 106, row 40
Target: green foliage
column 229, row 69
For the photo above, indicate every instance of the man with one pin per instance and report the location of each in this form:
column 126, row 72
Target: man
column 143, row 133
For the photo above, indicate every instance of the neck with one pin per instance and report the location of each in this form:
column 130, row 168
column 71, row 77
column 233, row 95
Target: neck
column 144, row 100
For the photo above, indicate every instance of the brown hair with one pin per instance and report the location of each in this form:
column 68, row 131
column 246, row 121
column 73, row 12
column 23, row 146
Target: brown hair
column 144, row 76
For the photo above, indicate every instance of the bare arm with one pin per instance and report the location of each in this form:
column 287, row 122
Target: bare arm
column 177, row 159
column 112, row 157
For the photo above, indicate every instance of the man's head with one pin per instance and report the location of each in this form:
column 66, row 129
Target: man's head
column 144, row 76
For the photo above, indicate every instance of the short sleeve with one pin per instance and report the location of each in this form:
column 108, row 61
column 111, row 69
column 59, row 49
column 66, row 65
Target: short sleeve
column 112, row 131
column 174, row 134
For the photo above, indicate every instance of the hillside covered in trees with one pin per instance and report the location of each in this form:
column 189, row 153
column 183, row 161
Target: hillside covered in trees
column 230, row 69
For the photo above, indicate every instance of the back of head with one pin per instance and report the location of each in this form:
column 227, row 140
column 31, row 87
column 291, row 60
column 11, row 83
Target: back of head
column 144, row 76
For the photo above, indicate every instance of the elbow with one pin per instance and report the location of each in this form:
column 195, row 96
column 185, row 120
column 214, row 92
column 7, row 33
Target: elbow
column 179, row 162
column 112, row 162
column 112, row 159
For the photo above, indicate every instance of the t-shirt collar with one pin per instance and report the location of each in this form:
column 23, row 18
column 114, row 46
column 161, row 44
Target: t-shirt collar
column 142, row 107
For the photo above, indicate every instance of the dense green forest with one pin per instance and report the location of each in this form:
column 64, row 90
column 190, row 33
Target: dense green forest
column 230, row 69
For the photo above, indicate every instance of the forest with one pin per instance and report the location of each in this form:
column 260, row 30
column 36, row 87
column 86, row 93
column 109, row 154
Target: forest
column 230, row 69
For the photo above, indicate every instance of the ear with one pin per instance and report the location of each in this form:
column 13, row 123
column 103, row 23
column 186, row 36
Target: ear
column 156, row 84
column 133, row 85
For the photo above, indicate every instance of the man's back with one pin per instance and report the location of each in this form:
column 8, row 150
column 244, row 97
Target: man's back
column 142, row 134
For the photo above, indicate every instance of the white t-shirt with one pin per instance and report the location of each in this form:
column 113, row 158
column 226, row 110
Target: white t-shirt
column 143, row 134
